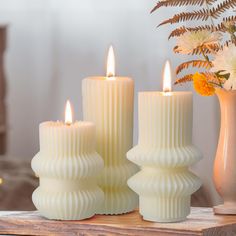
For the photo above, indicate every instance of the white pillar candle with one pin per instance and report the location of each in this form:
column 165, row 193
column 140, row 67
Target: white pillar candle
column 164, row 152
column 108, row 102
column 67, row 165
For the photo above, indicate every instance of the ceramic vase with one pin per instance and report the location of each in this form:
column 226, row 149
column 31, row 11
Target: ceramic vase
column 225, row 161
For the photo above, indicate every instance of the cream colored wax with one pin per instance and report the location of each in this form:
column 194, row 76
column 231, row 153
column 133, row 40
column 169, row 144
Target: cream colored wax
column 108, row 102
column 67, row 165
column 164, row 152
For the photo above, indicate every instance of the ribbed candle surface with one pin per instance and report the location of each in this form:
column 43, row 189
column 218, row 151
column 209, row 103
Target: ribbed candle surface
column 67, row 165
column 164, row 152
column 109, row 104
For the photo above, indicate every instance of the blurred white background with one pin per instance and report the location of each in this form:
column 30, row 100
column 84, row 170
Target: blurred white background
column 54, row 44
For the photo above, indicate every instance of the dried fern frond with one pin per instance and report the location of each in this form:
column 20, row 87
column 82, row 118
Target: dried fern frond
column 222, row 25
column 184, row 79
column 207, row 49
column 226, row 44
column 212, row 78
column 203, row 14
column 202, row 49
column 178, row 32
column 212, row 48
column 193, row 63
column 181, row 30
column 229, row 19
column 222, row 7
column 204, row 10
column 179, row 3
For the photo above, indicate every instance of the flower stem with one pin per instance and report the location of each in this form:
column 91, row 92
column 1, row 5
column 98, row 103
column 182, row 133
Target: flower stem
column 205, row 56
column 210, row 64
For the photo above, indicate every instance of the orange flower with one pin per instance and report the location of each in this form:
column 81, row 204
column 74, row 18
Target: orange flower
column 202, row 86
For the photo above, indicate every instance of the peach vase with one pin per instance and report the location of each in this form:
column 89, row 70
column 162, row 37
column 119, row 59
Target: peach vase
column 225, row 162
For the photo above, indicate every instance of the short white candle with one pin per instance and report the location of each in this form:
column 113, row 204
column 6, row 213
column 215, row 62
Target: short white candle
column 164, row 152
column 67, row 166
column 108, row 102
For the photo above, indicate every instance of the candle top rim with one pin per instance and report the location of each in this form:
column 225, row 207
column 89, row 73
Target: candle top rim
column 58, row 124
column 109, row 79
column 160, row 93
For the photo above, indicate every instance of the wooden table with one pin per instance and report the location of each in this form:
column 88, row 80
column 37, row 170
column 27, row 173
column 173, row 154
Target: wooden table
column 202, row 221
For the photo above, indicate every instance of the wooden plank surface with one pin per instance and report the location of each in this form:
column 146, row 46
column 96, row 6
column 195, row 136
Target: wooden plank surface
column 202, row 221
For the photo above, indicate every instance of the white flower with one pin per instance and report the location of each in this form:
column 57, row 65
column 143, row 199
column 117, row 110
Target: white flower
column 226, row 60
column 189, row 41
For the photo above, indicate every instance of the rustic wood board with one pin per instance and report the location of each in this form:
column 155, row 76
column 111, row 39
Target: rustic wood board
column 202, row 221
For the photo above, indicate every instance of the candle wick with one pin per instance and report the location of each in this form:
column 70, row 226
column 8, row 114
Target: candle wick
column 110, row 75
column 167, row 90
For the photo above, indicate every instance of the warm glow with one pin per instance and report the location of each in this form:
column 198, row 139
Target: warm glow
column 110, row 63
column 167, row 77
column 68, row 113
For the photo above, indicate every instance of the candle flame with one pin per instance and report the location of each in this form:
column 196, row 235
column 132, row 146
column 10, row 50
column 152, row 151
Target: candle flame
column 110, row 63
column 68, row 113
column 167, row 77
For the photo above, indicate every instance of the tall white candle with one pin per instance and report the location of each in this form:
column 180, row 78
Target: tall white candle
column 108, row 102
column 67, row 166
column 164, row 152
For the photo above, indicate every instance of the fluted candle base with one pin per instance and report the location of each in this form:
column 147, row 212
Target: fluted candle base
column 67, row 166
column 164, row 192
column 119, row 198
column 118, row 201
column 175, row 209
column 164, row 152
column 71, row 205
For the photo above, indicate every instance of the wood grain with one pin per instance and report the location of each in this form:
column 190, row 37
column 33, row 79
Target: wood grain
column 202, row 221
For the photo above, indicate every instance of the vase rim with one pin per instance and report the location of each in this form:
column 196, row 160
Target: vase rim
column 224, row 91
